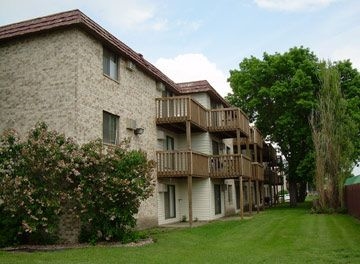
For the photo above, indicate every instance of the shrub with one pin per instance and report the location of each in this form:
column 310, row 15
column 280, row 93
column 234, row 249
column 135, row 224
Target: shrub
column 36, row 176
column 113, row 184
column 49, row 173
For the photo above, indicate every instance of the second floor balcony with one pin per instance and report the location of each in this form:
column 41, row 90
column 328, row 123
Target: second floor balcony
column 230, row 166
column 271, row 176
column 190, row 163
column 257, row 171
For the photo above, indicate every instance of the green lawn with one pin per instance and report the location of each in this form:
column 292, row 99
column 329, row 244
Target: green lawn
column 279, row 235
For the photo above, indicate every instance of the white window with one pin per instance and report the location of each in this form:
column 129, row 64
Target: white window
column 110, row 128
column 110, row 64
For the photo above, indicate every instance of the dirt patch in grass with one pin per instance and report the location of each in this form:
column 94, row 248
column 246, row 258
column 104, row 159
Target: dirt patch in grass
column 37, row 248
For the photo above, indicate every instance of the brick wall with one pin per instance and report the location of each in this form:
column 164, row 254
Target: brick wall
column 58, row 78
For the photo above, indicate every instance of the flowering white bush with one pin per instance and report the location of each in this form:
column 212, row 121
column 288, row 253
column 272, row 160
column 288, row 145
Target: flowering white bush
column 49, row 173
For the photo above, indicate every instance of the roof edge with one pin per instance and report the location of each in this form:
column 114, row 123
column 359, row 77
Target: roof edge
column 210, row 89
column 77, row 18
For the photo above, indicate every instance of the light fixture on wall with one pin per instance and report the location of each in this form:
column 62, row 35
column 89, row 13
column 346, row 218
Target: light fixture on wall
column 139, row 131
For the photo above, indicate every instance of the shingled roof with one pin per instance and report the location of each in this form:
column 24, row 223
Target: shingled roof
column 202, row 86
column 78, row 19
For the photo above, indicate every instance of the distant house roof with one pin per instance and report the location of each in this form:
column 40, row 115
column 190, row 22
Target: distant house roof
column 77, row 18
column 352, row 180
column 201, row 87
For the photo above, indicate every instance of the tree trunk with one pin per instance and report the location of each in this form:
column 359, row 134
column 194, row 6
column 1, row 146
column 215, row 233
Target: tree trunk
column 293, row 192
column 301, row 192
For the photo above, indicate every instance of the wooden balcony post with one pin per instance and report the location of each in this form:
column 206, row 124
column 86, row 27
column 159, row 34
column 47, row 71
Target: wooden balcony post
column 188, row 142
column 248, row 148
column 257, row 196
column 250, row 197
column 255, row 153
column 188, row 135
column 238, row 141
column 190, row 199
column 263, row 194
column 241, row 198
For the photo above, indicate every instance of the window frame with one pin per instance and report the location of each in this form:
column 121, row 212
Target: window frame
column 108, row 57
column 110, row 137
column 170, row 202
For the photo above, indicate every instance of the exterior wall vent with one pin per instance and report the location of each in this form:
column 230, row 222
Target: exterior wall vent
column 130, row 124
column 160, row 135
column 130, row 65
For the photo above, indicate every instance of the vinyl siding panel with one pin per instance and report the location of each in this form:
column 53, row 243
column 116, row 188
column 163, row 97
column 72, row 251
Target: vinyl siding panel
column 180, row 201
column 201, row 199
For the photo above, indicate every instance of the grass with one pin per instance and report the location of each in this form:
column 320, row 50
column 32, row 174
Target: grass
column 279, row 235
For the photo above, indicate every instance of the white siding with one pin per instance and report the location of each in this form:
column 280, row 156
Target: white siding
column 180, row 201
column 201, row 142
column 201, row 199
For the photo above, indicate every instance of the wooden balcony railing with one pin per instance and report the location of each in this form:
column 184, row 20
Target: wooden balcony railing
column 181, row 164
column 179, row 109
column 269, row 154
column 256, row 137
column 269, row 175
column 228, row 166
column 189, row 163
column 257, row 171
column 228, row 119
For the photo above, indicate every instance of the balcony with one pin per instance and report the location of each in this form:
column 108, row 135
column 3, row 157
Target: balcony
column 181, row 164
column 229, row 166
column 270, row 175
column 226, row 121
column 269, row 154
column 256, row 137
column 173, row 112
column 257, row 171
column 189, row 163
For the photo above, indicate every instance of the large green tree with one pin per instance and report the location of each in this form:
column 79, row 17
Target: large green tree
column 350, row 88
column 279, row 93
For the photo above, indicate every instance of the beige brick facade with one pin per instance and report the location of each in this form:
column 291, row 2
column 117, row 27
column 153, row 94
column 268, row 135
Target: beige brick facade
column 58, row 78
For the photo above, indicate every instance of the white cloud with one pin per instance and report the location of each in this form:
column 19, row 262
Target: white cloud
column 194, row 67
column 293, row 5
column 125, row 14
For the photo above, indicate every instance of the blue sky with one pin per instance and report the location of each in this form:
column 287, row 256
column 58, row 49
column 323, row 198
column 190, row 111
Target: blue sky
column 193, row 40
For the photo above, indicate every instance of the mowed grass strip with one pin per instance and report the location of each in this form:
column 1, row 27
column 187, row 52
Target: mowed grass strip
column 279, row 235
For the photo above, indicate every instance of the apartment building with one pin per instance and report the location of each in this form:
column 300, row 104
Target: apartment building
column 66, row 70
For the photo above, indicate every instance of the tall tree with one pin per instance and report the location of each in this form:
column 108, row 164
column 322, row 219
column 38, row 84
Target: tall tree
column 278, row 92
column 350, row 88
column 334, row 130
